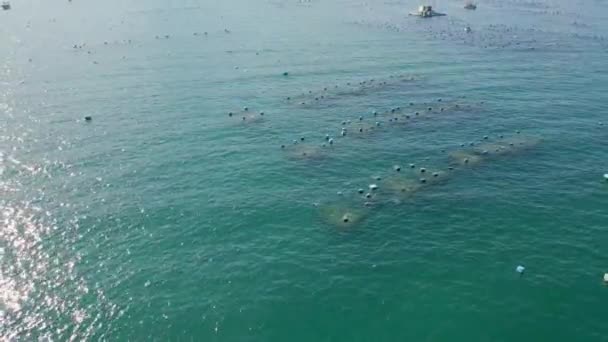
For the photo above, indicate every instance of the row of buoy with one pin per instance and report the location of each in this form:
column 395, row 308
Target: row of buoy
column 418, row 178
column 395, row 113
column 349, row 88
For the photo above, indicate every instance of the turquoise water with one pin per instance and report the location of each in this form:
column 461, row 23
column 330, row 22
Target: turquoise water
column 166, row 219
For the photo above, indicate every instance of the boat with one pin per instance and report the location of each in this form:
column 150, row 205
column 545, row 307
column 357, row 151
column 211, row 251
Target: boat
column 6, row 5
column 425, row 11
column 470, row 5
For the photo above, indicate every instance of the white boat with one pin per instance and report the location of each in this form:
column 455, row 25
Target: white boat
column 6, row 5
column 425, row 11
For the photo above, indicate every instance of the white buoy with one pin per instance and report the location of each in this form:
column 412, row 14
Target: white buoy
column 373, row 187
column 331, row 141
column 606, row 278
column 606, row 177
column 520, row 269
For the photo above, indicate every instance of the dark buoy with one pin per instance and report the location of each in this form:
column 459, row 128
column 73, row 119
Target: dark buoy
column 361, row 191
column 422, row 170
column 412, row 166
column 285, row 73
column 423, row 180
column 397, row 168
column 88, row 118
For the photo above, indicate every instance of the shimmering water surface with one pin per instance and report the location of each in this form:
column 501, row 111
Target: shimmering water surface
column 177, row 214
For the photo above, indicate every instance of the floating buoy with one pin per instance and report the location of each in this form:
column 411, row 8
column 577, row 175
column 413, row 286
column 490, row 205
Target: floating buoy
column 606, row 177
column 422, row 170
column 397, row 168
column 246, row 109
column 282, row 146
column 412, row 166
column 368, row 195
column 88, row 118
column 373, row 187
column 520, row 269
column 339, row 193
column 606, row 278
column 331, row 141
column 230, row 114
column 361, row 191
column 285, row 73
